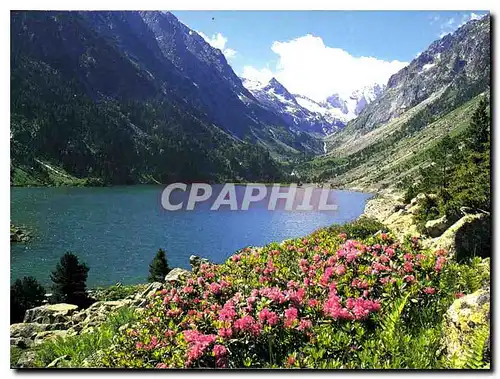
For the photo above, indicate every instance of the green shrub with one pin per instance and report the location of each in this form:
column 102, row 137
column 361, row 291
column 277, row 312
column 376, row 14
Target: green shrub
column 117, row 291
column 25, row 293
column 428, row 210
column 84, row 346
column 361, row 228
column 15, row 354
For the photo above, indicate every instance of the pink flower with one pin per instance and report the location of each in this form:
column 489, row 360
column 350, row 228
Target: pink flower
column 198, row 343
column 225, row 332
column 408, row 267
column 220, row 353
column 384, row 258
column 227, row 313
column 247, row 324
column 334, row 309
column 303, row 265
column 357, row 283
column 331, row 261
column 297, row 297
column 270, row 317
column 236, row 258
column 215, row 288
column 342, row 236
column 162, row 365
column 188, row 289
column 290, row 317
column 290, row 361
column 383, row 236
column 292, row 285
column 389, row 251
column 429, row 290
column 384, row 280
column 264, row 279
column 326, row 276
column 408, row 257
column 340, row 270
column 274, row 294
column 378, row 267
column 305, row 324
column 313, row 303
column 409, row 278
column 439, row 263
column 458, row 295
column 441, row 252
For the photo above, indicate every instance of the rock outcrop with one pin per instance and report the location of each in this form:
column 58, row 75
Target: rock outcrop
column 50, row 314
column 18, row 235
column 176, row 274
column 390, row 209
column 467, row 317
column 460, row 238
column 434, row 228
column 196, row 261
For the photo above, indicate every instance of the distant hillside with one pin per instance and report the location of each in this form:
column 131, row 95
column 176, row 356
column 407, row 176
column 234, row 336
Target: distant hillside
column 131, row 97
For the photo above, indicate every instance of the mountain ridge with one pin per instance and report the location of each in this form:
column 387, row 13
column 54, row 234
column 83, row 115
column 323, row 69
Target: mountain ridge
column 110, row 95
column 424, row 102
column 299, row 111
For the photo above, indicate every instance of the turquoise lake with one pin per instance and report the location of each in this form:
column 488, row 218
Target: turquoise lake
column 117, row 230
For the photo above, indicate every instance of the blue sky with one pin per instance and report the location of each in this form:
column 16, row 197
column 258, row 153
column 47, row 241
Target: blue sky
column 247, row 39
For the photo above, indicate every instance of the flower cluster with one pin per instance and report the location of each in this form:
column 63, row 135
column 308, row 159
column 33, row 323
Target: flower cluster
column 267, row 305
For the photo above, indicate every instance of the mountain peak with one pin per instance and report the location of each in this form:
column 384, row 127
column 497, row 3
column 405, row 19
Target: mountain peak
column 274, row 82
column 274, row 86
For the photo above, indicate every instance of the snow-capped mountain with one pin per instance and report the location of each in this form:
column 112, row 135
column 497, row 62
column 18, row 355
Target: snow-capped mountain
column 340, row 110
column 274, row 96
column 333, row 114
column 305, row 114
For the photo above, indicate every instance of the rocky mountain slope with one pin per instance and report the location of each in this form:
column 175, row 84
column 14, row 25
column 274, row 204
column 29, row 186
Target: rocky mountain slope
column 432, row 97
column 450, row 72
column 274, row 96
column 348, row 108
column 127, row 97
column 302, row 113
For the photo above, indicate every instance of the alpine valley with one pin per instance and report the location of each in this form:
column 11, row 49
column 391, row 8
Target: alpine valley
column 114, row 99
column 138, row 97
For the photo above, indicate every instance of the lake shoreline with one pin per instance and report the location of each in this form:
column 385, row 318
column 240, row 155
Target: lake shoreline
column 127, row 224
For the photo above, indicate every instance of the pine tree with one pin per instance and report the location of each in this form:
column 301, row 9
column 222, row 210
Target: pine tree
column 158, row 268
column 70, row 277
column 24, row 294
column 443, row 157
column 478, row 133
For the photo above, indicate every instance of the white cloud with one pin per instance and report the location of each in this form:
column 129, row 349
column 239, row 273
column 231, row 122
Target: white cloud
column 454, row 23
column 308, row 67
column 219, row 42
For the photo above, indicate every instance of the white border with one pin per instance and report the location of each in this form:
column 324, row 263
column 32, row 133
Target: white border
column 203, row 5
